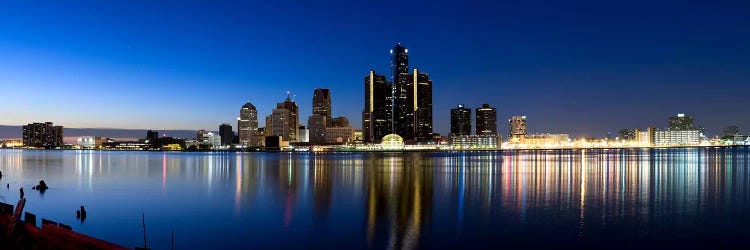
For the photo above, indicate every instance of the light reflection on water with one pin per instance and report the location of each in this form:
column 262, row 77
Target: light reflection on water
column 605, row 198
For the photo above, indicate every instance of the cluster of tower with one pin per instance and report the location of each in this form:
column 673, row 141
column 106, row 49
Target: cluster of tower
column 400, row 106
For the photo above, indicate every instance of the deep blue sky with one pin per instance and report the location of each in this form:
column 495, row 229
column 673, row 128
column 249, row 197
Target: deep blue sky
column 578, row 67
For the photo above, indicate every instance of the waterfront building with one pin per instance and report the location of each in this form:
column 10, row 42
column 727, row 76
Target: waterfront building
column 200, row 134
column 517, row 128
column 247, row 124
column 339, row 122
column 339, row 134
column 291, row 119
column 226, row 133
column 472, row 142
column 152, row 139
column 89, row 142
column 317, row 128
column 677, row 137
column 212, row 140
column 42, row 135
column 11, row 143
column 460, row 121
column 681, row 122
column 646, row 137
column 321, row 104
column 376, row 116
column 545, row 140
column 392, row 142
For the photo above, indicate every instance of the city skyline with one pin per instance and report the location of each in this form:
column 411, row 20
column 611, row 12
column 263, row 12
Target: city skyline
column 625, row 76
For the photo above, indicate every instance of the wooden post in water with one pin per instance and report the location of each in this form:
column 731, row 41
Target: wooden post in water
column 172, row 239
column 143, row 221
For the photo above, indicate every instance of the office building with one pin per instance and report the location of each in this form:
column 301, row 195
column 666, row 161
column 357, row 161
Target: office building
column 280, row 120
column 42, row 135
column 646, row 137
column 317, row 128
column 486, row 122
column 152, row 139
column 211, row 140
column 247, row 125
column 376, row 116
column 322, row 104
column 460, row 121
column 517, row 128
column 681, row 122
column 291, row 121
column 226, row 133
column 421, row 95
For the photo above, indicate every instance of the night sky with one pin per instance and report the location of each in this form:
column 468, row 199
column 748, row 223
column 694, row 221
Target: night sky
column 582, row 68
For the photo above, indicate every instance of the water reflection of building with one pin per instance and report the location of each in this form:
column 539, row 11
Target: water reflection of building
column 398, row 199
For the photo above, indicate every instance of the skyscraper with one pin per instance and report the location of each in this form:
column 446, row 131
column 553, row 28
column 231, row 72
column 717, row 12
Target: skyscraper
column 403, row 111
column 421, row 97
column 225, row 131
column 247, row 124
column 517, row 128
column 681, row 122
column 376, row 117
column 280, row 120
column 486, row 120
column 322, row 104
column 460, row 121
column 292, row 121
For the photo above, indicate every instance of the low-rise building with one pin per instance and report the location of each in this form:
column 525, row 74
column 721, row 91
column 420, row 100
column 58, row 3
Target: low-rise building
column 339, row 134
column 464, row 142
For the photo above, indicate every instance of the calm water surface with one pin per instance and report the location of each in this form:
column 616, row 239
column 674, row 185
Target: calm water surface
column 561, row 198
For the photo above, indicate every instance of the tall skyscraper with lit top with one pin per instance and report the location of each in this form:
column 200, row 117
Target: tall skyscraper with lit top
column 403, row 112
column 377, row 118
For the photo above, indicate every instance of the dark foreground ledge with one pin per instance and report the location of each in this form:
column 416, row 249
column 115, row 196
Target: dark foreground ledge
column 24, row 234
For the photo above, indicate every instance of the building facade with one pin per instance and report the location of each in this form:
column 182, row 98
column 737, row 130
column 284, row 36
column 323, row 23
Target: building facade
column 677, row 138
column 681, row 122
column 42, row 135
column 339, row 134
column 339, row 122
column 460, row 121
column 486, row 122
column 291, row 121
column 627, row 134
column 247, row 125
column 280, row 120
column 322, row 104
column 316, row 125
column 475, row 142
column 377, row 116
column 421, row 95
column 517, row 128
column 226, row 133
